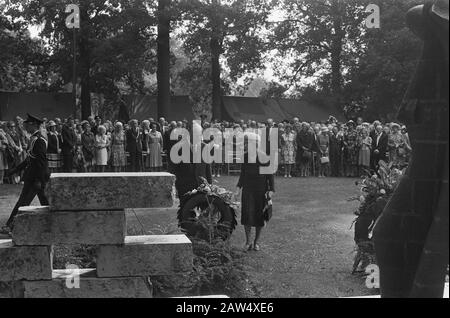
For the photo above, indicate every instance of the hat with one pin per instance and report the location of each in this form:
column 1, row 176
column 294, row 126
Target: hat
column 51, row 123
column 440, row 8
column 33, row 120
column 350, row 122
column 395, row 125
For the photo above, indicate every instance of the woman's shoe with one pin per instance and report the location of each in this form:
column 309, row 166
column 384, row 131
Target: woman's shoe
column 256, row 247
column 248, row 247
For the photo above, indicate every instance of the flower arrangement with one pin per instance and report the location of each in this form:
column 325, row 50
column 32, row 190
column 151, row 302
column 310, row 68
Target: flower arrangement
column 210, row 215
column 216, row 191
column 374, row 193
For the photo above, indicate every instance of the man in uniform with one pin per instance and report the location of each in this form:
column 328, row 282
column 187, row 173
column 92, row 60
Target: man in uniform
column 36, row 173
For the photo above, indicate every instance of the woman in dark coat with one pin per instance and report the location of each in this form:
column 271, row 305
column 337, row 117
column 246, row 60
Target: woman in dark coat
column 253, row 186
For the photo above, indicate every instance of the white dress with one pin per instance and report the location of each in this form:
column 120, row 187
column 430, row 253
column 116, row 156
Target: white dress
column 101, row 154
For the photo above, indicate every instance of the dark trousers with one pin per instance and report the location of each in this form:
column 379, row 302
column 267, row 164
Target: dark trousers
column 135, row 161
column 29, row 191
column 375, row 159
column 335, row 164
column 67, row 161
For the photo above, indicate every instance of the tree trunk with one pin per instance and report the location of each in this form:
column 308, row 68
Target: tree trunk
column 336, row 54
column 215, row 78
column 84, row 67
column 163, row 73
column 85, row 98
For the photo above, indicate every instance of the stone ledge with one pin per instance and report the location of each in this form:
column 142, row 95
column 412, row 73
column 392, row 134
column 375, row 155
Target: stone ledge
column 145, row 256
column 11, row 289
column 110, row 191
column 25, row 262
column 90, row 286
column 39, row 226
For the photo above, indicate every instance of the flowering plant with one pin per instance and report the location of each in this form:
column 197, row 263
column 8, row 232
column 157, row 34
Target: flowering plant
column 375, row 192
column 215, row 191
column 208, row 212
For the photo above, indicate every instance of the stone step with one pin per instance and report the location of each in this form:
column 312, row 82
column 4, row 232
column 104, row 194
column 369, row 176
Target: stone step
column 64, row 285
column 110, row 191
column 40, row 226
column 11, row 289
column 145, row 256
column 25, row 262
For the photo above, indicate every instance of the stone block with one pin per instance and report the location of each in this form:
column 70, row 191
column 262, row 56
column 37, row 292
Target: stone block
column 39, row 226
column 110, row 191
column 145, row 256
column 84, row 283
column 25, row 262
column 11, row 289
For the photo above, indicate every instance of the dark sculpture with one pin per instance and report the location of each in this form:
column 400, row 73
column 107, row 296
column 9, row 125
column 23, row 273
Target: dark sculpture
column 411, row 236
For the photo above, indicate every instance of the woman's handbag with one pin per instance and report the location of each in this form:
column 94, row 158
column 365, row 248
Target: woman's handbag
column 267, row 211
column 324, row 159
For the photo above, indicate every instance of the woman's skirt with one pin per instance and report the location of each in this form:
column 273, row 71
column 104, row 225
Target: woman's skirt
column 118, row 158
column 364, row 157
column 154, row 158
column 54, row 160
column 101, row 157
column 288, row 154
column 252, row 207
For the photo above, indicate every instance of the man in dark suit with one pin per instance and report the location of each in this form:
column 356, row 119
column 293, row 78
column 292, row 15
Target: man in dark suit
column 134, row 146
column 379, row 147
column 69, row 140
column 36, row 174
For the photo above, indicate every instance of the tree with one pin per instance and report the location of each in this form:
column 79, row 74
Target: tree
column 228, row 29
column 320, row 38
column 163, row 74
column 113, row 42
column 23, row 61
column 378, row 79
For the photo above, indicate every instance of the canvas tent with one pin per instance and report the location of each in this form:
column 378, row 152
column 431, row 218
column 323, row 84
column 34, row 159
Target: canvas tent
column 51, row 105
column 259, row 109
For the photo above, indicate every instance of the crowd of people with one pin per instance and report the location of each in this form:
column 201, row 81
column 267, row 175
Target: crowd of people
column 326, row 149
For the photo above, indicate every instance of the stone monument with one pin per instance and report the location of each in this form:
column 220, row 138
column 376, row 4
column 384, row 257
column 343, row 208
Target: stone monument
column 411, row 236
column 89, row 209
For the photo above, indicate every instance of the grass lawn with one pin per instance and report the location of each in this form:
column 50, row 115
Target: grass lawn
column 306, row 249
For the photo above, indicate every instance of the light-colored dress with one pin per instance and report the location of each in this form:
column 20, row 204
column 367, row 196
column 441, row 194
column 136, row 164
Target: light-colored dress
column 155, row 141
column 288, row 148
column 364, row 152
column 118, row 149
column 101, row 153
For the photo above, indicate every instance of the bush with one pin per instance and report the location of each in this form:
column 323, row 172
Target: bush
column 76, row 254
column 218, row 269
